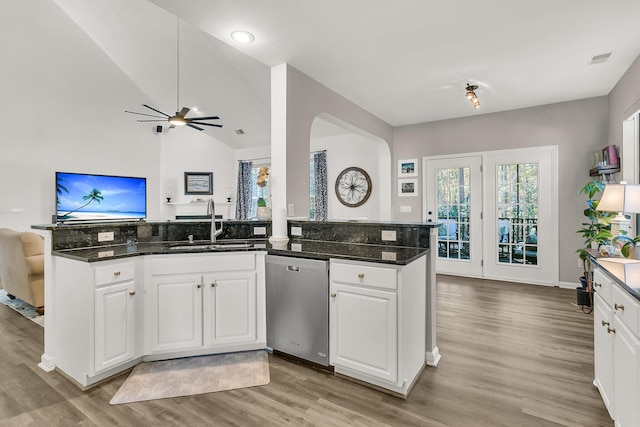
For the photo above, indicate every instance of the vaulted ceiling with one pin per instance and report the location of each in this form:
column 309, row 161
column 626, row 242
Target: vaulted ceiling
column 404, row 61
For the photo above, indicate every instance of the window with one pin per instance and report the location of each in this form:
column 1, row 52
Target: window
column 257, row 192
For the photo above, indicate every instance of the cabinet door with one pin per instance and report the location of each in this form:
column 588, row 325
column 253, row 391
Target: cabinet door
column 114, row 325
column 363, row 330
column 626, row 381
column 230, row 308
column 176, row 312
column 603, row 350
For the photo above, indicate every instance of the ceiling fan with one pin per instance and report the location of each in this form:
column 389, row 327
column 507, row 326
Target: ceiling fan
column 179, row 119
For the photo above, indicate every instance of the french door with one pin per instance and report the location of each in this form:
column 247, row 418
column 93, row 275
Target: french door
column 498, row 211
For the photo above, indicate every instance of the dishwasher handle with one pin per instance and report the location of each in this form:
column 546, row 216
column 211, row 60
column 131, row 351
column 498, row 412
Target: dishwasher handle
column 293, row 268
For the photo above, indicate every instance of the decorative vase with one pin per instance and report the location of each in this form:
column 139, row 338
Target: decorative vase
column 263, row 212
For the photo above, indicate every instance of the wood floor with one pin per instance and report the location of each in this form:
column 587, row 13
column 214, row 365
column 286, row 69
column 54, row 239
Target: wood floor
column 512, row 355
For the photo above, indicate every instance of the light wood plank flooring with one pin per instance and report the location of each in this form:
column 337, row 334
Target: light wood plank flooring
column 513, row 355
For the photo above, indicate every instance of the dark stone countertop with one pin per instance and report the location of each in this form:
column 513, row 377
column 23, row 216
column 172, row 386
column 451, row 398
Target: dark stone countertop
column 625, row 272
column 386, row 254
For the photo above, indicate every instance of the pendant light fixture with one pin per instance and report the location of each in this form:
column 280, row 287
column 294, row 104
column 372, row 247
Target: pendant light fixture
column 471, row 95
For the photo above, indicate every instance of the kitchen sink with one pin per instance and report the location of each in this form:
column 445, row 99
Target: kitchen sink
column 211, row 246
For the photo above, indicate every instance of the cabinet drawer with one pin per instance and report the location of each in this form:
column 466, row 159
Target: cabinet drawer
column 202, row 263
column 626, row 308
column 114, row 273
column 366, row 275
column 602, row 285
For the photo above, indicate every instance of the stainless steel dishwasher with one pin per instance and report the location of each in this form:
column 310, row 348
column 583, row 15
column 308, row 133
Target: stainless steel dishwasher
column 298, row 307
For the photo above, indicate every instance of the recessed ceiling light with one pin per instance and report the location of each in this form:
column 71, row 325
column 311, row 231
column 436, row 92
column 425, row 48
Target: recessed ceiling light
column 242, row 36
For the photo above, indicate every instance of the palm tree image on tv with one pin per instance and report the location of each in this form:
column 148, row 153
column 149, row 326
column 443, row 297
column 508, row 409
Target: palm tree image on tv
column 88, row 197
column 94, row 196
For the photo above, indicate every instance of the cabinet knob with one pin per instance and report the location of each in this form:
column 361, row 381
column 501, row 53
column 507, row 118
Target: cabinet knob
column 213, row 284
column 132, row 293
column 611, row 330
column 605, row 323
column 333, row 295
column 361, row 276
column 619, row 307
column 199, row 285
column 116, row 273
column 597, row 285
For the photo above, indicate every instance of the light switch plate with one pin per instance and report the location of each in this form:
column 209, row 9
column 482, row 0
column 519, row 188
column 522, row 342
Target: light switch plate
column 259, row 231
column 389, row 235
column 296, row 231
column 106, row 236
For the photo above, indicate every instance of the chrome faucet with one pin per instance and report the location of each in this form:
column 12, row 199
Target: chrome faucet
column 211, row 210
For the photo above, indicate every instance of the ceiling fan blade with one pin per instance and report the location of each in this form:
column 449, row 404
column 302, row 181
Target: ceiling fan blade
column 195, row 127
column 151, row 120
column 157, row 111
column 183, row 112
column 206, row 124
column 206, row 118
column 143, row 114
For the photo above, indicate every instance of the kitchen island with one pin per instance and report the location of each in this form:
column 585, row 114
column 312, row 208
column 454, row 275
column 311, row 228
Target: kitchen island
column 150, row 295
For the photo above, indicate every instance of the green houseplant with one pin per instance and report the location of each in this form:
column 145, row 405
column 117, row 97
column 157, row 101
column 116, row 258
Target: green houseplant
column 598, row 227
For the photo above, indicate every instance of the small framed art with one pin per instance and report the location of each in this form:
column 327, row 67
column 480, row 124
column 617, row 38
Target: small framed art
column 198, row 183
column 407, row 168
column 408, row 187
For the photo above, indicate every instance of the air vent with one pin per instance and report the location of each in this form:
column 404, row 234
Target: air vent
column 239, row 132
column 599, row 59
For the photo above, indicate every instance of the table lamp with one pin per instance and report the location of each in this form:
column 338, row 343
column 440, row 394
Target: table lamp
column 621, row 198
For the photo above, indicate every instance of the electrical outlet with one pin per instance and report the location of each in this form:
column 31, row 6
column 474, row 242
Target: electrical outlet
column 388, row 235
column 106, row 236
column 296, row 231
column 259, row 231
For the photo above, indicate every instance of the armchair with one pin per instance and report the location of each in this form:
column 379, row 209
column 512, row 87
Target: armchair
column 22, row 266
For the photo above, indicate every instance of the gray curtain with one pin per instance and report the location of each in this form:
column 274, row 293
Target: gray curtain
column 320, row 173
column 243, row 198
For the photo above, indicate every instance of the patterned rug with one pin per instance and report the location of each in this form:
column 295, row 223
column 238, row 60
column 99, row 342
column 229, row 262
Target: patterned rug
column 22, row 307
column 194, row 375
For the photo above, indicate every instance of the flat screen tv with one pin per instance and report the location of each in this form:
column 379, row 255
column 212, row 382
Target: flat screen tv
column 88, row 197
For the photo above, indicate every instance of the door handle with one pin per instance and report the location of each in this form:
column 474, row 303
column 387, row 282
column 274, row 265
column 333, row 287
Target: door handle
column 293, row 268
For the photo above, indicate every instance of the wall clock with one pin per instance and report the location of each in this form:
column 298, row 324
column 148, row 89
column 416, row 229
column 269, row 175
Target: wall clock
column 353, row 187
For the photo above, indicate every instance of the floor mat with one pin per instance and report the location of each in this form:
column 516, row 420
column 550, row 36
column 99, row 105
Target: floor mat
column 22, row 307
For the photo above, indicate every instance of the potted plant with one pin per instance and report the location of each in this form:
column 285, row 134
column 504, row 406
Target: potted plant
column 598, row 230
column 628, row 246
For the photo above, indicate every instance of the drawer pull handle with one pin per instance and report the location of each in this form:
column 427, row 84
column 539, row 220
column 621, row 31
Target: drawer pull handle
column 611, row 330
column 597, row 285
column 361, row 276
column 605, row 323
column 619, row 307
column 333, row 295
column 132, row 293
column 116, row 273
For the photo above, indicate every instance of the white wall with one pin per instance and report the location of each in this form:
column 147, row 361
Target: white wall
column 63, row 102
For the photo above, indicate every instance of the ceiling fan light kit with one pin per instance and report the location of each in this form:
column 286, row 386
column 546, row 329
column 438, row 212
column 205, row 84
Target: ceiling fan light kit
column 471, row 95
column 179, row 119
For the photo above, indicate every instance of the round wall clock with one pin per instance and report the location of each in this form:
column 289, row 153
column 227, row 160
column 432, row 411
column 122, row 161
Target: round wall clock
column 353, row 187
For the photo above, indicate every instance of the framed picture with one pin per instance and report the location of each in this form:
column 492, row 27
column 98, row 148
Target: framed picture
column 198, row 183
column 408, row 187
column 407, row 168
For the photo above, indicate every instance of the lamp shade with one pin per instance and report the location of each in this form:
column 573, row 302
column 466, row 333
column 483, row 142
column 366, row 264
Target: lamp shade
column 620, row 198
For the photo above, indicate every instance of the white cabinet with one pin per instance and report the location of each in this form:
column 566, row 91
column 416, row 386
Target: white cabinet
column 201, row 303
column 176, row 312
column 97, row 318
column 617, row 350
column 377, row 322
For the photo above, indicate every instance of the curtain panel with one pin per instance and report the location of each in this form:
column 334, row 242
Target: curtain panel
column 320, row 173
column 243, row 196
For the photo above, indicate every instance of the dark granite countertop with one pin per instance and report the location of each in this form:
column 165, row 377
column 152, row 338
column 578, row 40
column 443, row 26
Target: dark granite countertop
column 625, row 272
column 387, row 254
